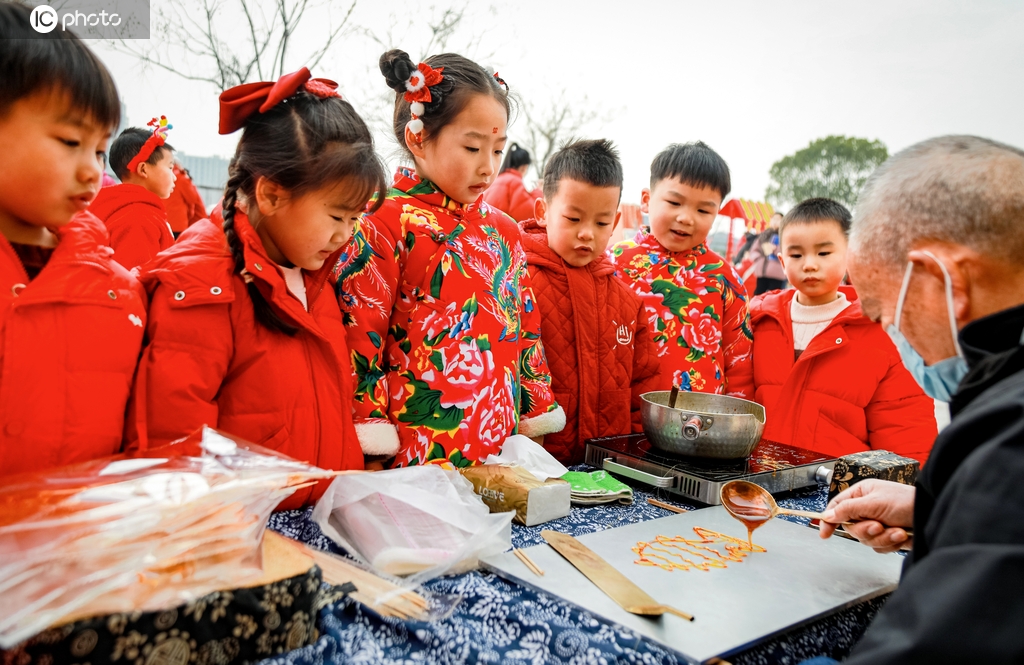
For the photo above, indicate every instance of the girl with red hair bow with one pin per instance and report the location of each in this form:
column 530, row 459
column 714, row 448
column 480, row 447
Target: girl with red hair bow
column 244, row 331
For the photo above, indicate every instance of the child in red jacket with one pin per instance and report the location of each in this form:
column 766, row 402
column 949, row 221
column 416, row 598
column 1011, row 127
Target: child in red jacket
column 830, row 379
column 134, row 211
column 245, row 333
column 71, row 318
column 695, row 300
column 594, row 328
column 508, row 192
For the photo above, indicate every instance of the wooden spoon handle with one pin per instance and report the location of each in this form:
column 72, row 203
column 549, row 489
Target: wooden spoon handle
column 678, row 613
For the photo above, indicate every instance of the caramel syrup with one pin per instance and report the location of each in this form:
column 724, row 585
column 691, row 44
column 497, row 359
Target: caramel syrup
column 703, row 553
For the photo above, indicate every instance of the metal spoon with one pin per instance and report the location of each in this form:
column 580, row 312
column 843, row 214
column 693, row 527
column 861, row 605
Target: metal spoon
column 748, row 502
column 754, row 505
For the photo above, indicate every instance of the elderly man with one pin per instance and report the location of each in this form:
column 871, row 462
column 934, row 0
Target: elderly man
column 937, row 255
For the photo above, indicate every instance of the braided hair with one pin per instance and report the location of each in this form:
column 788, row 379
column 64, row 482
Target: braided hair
column 462, row 78
column 302, row 144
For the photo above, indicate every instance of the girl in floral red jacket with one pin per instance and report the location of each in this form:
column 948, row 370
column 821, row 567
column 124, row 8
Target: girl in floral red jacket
column 444, row 335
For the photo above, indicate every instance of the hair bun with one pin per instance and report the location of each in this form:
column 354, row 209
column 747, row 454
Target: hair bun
column 396, row 66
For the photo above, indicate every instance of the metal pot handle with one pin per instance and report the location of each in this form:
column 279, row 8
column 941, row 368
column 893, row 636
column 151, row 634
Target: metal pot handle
column 694, row 425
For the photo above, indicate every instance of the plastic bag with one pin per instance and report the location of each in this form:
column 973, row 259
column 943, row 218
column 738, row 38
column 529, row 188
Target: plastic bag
column 122, row 534
column 519, row 450
column 419, row 522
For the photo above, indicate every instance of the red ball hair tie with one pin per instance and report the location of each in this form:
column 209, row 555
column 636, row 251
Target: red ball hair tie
column 418, row 92
column 237, row 104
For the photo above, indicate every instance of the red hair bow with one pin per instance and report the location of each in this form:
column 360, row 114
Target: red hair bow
column 242, row 101
column 418, row 85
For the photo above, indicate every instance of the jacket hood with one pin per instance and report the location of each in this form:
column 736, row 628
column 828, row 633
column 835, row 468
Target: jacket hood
column 776, row 304
column 538, row 253
column 111, row 199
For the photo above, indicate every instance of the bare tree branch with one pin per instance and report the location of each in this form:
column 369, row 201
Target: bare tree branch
column 200, row 40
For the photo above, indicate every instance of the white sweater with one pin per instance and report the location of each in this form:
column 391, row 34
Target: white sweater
column 809, row 321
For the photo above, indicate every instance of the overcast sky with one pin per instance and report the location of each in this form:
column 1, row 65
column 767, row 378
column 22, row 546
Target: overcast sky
column 756, row 80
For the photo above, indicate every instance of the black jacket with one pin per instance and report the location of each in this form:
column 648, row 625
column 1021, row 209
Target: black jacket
column 961, row 598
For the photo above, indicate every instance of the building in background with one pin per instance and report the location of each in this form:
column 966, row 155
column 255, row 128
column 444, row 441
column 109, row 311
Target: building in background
column 209, row 175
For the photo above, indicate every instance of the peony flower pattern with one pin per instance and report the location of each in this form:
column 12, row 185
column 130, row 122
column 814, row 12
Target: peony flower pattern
column 697, row 308
column 444, row 338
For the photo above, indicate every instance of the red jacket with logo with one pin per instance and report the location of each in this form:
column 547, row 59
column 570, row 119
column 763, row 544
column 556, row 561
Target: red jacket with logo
column 137, row 222
column 598, row 346
column 509, row 195
column 209, row 361
column 69, row 341
column 848, row 392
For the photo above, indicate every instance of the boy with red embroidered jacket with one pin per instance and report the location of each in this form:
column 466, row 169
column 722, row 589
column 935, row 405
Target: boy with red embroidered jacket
column 442, row 326
column 134, row 211
column 830, row 379
column 695, row 300
column 594, row 328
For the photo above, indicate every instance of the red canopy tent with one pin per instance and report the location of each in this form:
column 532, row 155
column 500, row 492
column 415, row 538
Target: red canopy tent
column 755, row 215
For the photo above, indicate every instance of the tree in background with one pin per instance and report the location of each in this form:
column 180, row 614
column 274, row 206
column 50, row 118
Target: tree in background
column 835, row 167
column 551, row 121
column 229, row 42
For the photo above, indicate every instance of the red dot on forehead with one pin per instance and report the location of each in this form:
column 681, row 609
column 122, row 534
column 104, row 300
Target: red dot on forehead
column 494, row 131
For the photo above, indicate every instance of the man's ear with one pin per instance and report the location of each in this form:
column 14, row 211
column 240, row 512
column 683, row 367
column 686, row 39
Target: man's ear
column 270, row 196
column 954, row 262
column 645, row 200
column 540, row 212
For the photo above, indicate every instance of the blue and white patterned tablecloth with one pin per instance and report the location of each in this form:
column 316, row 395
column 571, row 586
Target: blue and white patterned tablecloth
column 502, row 622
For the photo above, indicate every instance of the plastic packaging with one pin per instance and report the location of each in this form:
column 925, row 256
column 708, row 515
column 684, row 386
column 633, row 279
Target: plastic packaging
column 418, row 522
column 142, row 533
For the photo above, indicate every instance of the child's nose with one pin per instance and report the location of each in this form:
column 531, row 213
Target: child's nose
column 586, row 233
column 89, row 170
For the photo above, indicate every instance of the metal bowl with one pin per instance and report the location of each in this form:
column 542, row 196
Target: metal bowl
column 702, row 425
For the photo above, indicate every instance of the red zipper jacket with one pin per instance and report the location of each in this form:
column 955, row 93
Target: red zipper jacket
column 209, row 361
column 598, row 347
column 137, row 222
column 69, row 341
column 509, row 195
column 847, row 393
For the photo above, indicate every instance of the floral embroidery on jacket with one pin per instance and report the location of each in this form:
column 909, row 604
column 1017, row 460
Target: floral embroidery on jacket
column 698, row 315
column 444, row 338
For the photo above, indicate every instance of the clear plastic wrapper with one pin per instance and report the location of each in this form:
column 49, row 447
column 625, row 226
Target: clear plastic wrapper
column 137, row 533
column 414, row 523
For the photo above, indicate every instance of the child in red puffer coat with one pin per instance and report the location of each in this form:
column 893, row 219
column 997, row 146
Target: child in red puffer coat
column 245, row 333
column 830, row 379
column 595, row 329
column 71, row 318
column 508, row 193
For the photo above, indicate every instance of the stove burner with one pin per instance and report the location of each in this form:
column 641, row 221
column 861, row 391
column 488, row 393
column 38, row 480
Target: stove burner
column 775, row 466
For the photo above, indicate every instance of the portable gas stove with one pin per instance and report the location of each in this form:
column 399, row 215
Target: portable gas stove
column 774, row 466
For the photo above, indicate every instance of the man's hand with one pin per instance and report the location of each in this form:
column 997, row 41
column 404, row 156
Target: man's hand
column 880, row 508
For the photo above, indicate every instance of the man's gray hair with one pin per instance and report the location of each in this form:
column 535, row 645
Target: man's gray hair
column 963, row 190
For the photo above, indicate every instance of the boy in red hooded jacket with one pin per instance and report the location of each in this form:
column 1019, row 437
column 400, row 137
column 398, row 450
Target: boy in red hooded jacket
column 595, row 329
column 71, row 318
column 830, row 379
column 134, row 211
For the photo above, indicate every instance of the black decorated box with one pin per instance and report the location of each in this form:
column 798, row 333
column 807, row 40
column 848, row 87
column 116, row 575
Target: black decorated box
column 880, row 464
